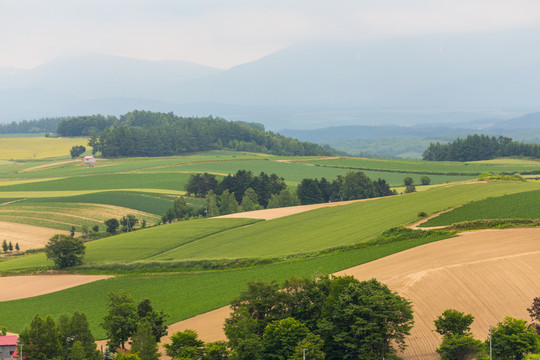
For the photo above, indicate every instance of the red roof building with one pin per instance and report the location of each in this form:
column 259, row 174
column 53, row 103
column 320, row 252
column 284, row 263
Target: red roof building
column 8, row 345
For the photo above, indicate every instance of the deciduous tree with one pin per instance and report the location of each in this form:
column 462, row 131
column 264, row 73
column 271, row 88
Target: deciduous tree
column 121, row 319
column 512, row 339
column 65, row 251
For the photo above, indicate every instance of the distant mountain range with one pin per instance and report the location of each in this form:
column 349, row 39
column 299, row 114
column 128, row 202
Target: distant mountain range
column 406, row 80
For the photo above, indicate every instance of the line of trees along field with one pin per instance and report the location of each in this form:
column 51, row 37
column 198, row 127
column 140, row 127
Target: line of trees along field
column 479, row 147
column 244, row 191
column 145, row 133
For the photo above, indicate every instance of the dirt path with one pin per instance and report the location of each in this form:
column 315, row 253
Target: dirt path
column 490, row 274
column 269, row 214
column 28, row 236
column 416, row 225
column 51, row 164
column 20, row 287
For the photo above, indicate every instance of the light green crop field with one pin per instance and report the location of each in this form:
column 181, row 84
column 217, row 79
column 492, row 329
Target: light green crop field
column 514, row 206
column 186, row 294
column 138, row 245
column 64, row 215
column 427, row 167
column 27, row 148
column 307, row 232
column 337, row 226
column 294, row 172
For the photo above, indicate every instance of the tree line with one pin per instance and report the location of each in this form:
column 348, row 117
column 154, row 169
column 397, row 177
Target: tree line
column 479, row 147
column 45, row 125
column 244, row 191
column 146, row 133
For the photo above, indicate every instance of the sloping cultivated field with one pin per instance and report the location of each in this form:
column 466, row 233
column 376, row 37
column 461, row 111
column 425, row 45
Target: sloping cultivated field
column 300, row 244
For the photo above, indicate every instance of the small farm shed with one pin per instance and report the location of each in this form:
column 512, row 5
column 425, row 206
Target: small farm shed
column 8, row 345
column 90, row 159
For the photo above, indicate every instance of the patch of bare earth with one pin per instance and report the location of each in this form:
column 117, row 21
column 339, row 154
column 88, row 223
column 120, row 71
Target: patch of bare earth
column 21, row 287
column 27, row 236
column 269, row 214
column 490, row 274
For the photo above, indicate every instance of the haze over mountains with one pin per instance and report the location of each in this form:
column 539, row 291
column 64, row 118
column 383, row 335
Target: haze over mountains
column 423, row 79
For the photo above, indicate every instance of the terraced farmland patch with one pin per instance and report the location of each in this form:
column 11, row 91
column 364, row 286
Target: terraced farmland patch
column 514, row 206
column 63, row 216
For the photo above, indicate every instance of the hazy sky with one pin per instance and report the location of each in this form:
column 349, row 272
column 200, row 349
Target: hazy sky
column 224, row 33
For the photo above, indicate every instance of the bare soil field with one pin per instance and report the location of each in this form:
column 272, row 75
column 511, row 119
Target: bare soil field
column 490, row 274
column 269, row 214
column 28, row 236
column 21, row 287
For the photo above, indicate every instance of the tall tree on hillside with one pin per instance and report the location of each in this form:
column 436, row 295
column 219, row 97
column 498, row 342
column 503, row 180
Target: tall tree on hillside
column 212, row 208
column 121, row 319
column 65, row 251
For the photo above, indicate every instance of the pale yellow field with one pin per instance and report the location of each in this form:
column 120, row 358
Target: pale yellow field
column 37, row 148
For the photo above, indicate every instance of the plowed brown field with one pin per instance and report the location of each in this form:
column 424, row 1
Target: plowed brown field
column 490, row 274
column 21, row 287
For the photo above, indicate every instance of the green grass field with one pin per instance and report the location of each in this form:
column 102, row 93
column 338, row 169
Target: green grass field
column 59, row 195
column 514, row 206
column 430, row 167
column 297, row 234
column 186, row 294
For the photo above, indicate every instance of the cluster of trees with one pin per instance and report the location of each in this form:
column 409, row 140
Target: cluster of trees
column 354, row 185
column 330, row 317
column 510, row 339
column 479, row 147
column 263, row 185
column 84, row 125
column 68, row 338
column 46, row 125
column 246, row 192
column 126, row 320
column 145, row 133
column 8, row 246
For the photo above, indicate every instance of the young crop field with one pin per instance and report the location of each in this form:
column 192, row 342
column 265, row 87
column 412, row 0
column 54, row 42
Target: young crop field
column 433, row 167
column 514, row 206
column 148, row 202
column 138, row 245
column 64, row 215
column 168, row 181
column 186, row 294
column 307, row 232
column 27, row 148
column 295, row 171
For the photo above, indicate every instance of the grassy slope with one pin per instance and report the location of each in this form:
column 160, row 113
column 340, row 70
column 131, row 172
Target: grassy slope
column 337, row 226
column 186, row 294
column 417, row 166
column 138, row 245
column 294, row 172
column 514, row 206
column 306, row 232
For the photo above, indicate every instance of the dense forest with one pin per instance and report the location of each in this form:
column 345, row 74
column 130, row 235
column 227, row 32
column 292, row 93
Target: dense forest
column 479, row 147
column 45, row 125
column 145, row 133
